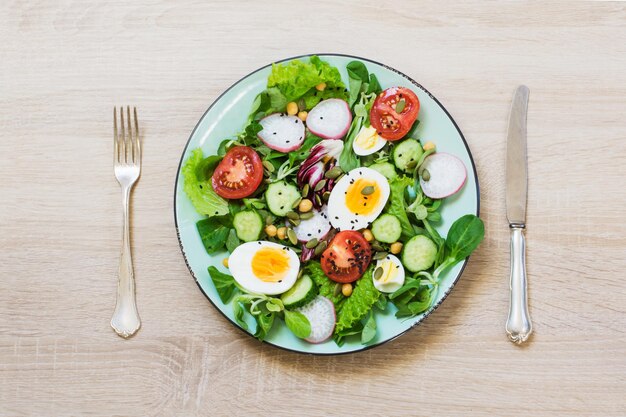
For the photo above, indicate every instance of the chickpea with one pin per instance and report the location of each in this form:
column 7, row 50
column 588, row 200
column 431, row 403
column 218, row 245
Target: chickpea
column 346, row 289
column 428, row 146
column 395, row 248
column 367, row 234
column 292, row 108
column 305, row 205
column 302, row 115
column 281, row 233
column 320, row 87
column 271, row 230
column 225, row 262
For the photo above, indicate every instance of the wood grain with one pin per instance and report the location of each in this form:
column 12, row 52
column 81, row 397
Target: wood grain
column 64, row 64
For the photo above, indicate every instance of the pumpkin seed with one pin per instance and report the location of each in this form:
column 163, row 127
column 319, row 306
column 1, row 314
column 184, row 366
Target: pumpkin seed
column 326, row 196
column 305, row 190
column 300, row 273
column 293, row 215
column 269, row 220
column 377, row 247
column 337, row 289
column 318, row 200
column 333, row 173
column 292, row 236
column 296, row 203
column 311, row 243
column 368, row 190
column 378, row 273
column 294, row 222
column 379, row 255
column 411, row 165
column 400, row 106
column 306, row 216
column 319, row 185
column 339, row 178
column 320, row 247
column 425, row 175
column 268, row 165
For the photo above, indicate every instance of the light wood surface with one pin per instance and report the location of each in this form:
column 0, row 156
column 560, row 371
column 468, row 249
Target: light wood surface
column 64, row 64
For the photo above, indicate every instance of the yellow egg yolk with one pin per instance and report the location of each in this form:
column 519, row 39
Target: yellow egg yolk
column 359, row 203
column 367, row 138
column 389, row 271
column 270, row 264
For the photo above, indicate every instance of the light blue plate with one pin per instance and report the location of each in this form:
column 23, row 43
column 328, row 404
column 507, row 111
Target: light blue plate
column 226, row 117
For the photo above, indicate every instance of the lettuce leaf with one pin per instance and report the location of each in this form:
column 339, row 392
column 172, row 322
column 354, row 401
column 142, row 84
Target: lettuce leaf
column 296, row 78
column 200, row 192
column 397, row 206
column 359, row 304
column 325, row 285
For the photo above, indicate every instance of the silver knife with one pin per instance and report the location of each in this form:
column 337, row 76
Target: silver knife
column 518, row 325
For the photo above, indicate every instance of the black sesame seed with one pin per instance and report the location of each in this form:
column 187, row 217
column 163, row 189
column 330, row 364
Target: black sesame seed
column 287, row 141
column 200, row 186
column 273, row 133
column 282, row 207
column 321, row 117
column 297, row 120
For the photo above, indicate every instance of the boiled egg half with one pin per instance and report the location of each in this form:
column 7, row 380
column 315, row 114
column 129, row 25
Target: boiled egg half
column 367, row 141
column 262, row 267
column 392, row 276
column 357, row 199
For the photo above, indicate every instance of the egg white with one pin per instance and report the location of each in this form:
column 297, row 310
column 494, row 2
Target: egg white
column 367, row 132
column 338, row 213
column 398, row 275
column 240, row 266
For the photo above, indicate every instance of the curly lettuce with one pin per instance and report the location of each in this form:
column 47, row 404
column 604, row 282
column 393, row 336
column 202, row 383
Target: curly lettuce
column 325, row 285
column 359, row 304
column 397, row 206
column 200, row 192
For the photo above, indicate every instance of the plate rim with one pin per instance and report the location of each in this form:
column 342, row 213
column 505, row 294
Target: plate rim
column 412, row 81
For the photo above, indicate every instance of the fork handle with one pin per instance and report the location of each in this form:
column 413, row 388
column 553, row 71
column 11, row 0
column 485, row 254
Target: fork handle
column 518, row 325
column 125, row 320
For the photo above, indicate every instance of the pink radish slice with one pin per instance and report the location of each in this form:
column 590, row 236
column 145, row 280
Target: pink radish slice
column 447, row 175
column 317, row 227
column 330, row 119
column 321, row 315
column 281, row 132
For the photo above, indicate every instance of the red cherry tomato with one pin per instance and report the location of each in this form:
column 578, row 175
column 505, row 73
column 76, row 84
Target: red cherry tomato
column 238, row 174
column 390, row 117
column 347, row 257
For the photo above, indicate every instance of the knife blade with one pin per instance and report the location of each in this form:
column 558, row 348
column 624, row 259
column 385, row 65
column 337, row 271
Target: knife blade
column 518, row 325
column 516, row 165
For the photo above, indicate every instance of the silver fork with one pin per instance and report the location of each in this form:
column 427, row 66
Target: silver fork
column 127, row 165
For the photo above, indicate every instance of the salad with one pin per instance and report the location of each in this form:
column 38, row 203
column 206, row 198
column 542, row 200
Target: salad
column 326, row 202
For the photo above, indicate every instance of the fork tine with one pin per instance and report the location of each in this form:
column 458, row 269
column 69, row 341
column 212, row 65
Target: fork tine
column 116, row 154
column 123, row 138
column 131, row 150
column 136, row 141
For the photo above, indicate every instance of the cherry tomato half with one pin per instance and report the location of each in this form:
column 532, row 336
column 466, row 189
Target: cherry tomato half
column 347, row 257
column 238, row 174
column 394, row 111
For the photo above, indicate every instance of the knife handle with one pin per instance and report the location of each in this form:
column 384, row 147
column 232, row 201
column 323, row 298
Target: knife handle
column 518, row 325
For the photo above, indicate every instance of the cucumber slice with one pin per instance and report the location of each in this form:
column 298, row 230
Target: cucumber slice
column 407, row 152
column 248, row 224
column 419, row 253
column 280, row 197
column 302, row 292
column 387, row 228
column 385, row 168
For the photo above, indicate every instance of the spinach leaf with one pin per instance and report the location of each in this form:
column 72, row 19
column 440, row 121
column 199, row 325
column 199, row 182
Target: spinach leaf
column 232, row 241
column 464, row 236
column 298, row 324
column 239, row 314
column 205, row 168
column 339, row 337
column 374, row 85
column 264, row 324
column 224, row 284
column 358, row 70
column 348, row 160
column 304, row 151
column 214, row 232
column 369, row 330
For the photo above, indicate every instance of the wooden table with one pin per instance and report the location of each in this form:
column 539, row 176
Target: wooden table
column 62, row 68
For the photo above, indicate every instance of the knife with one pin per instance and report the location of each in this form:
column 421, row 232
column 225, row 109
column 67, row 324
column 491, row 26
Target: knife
column 518, row 325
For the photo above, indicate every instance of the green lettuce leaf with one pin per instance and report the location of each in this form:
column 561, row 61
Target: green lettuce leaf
column 397, row 206
column 200, row 192
column 359, row 304
column 214, row 232
column 224, row 284
column 325, row 285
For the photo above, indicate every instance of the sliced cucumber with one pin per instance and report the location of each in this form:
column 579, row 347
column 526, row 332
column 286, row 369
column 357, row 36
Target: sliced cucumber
column 248, row 224
column 406, row 154
column 302, row 292
column 280, row 197
column 419, row 253
column 385, row 168
column 387, row 228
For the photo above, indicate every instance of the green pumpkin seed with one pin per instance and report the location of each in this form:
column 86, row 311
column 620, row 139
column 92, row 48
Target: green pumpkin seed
column 319, row 185
column 268, row 165
column 300, row 273
column 293, row 215
column 306, row 216
column 294, row 222
column 296, row 203
column 320, row 247
column 377, row 247
column 337, row 289
column 339, row 178
column 311, row 243
column 326, row 196
column 333, row 173
column 368, row 190
column 425, row 175
column 269, row 220
column 318, row 200
column 378, row 273
column 305, row 190
column 400, row 106
column 379, row 255
column 292, row 236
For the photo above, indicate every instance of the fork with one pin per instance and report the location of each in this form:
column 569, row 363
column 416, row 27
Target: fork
column 127, row 166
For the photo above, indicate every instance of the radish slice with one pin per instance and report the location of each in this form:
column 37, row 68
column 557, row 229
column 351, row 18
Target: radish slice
column 447, row 175
column 317, row 227
column 321, row 315
column 330, row 119
column 281, row 132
